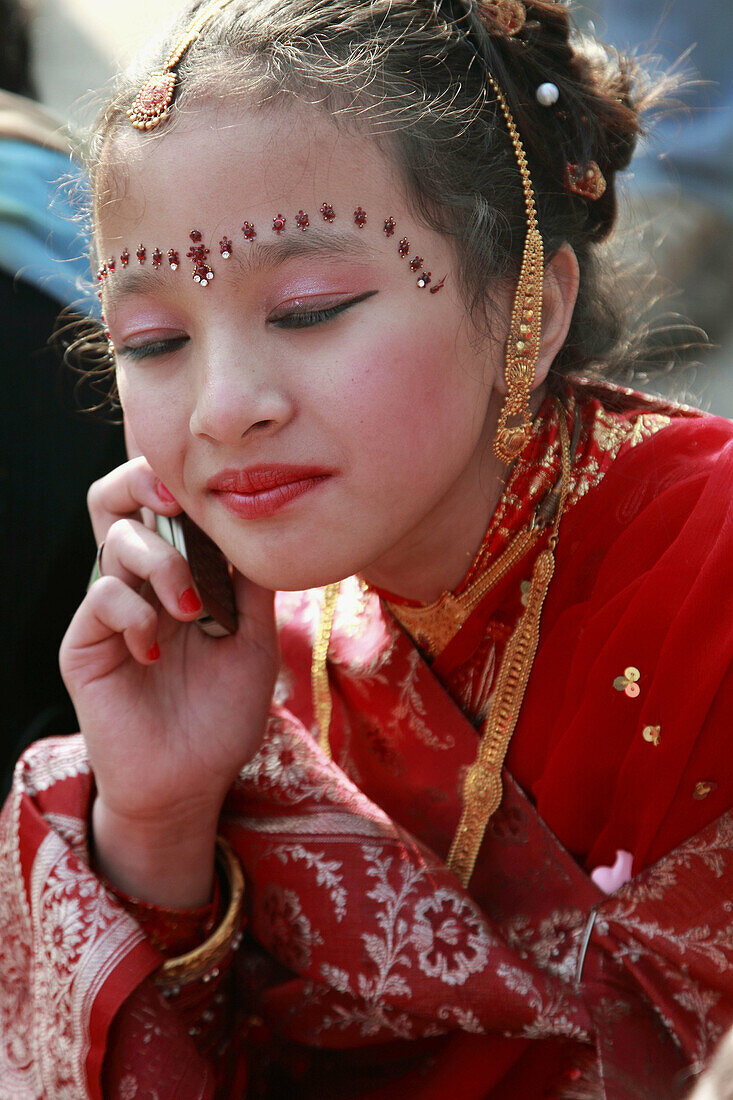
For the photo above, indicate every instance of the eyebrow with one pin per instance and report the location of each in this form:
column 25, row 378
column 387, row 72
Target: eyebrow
column 251, row 257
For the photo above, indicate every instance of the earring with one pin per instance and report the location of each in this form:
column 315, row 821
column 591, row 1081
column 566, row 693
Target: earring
column 522, row 349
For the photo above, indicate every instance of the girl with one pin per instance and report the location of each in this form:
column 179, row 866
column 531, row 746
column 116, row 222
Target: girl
column 348, row 267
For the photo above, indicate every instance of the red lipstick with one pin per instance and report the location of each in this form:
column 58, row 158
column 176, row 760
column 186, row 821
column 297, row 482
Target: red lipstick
column 261, row 491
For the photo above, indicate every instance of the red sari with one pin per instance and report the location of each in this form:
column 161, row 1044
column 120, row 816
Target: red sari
column 368, row 970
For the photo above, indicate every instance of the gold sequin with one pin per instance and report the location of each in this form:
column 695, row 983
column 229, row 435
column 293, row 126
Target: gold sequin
column 703, row 789
column 651, row 734
column 627, row 683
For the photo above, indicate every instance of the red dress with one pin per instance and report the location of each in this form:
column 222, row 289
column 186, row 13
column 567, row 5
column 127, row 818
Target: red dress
column 368, row 970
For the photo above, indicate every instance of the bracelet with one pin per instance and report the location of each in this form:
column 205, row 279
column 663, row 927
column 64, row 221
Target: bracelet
column 204, row 961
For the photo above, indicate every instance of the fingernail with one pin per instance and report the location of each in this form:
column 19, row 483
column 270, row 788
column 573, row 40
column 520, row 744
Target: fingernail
column 164, row 493
column 189, row 602
column 153, row 653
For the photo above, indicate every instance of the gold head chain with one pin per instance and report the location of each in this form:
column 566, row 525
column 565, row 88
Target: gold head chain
column 154, row 100
column 523, row 342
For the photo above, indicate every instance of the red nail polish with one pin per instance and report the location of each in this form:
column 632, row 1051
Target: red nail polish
column 153, row 653
column 164, row 494
column 189, row 602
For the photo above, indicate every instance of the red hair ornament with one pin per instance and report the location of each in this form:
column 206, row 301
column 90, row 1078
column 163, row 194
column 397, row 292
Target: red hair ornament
column 502, row 17
column 588, row 182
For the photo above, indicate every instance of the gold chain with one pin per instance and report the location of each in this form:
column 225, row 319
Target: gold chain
column 482, row 789
column 321, row 692
column 192, row 32
column 525, row 329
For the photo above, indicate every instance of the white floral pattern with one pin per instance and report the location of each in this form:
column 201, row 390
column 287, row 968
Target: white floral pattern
column 449, row 937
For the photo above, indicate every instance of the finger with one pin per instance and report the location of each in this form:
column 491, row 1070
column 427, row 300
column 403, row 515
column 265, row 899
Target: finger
column 123, row 492
column 136, row 556
column 112, row 621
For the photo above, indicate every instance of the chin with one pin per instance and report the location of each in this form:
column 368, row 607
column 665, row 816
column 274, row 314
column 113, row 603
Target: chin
column 291, row 575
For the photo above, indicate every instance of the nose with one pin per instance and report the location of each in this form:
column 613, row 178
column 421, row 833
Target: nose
column 238, row 395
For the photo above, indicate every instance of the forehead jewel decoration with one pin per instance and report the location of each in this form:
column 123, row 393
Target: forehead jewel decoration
column 154, row 100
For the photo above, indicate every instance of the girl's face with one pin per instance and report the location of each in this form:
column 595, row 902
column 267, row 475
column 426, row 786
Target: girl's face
column 312, row 408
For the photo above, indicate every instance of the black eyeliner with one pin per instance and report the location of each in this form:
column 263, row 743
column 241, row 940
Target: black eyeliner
column 319, row 316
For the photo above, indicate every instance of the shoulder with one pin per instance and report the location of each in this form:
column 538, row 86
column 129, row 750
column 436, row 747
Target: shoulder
column 642, row 583
column 649, row 473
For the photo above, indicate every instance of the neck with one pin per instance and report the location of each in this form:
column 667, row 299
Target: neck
column 436, row 554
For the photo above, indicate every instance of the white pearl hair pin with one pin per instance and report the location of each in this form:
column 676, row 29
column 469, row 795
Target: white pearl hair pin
column 547, row 94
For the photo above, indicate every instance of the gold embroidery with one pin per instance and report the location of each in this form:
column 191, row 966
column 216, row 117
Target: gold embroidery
column 610, row 433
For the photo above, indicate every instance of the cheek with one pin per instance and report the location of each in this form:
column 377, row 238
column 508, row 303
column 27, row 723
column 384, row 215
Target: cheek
column 156, row 427
column 414, row 393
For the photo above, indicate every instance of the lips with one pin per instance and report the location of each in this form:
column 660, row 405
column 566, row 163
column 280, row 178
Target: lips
column 260, row 491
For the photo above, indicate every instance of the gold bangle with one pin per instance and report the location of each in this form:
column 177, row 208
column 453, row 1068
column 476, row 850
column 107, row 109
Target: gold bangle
column 203, row 962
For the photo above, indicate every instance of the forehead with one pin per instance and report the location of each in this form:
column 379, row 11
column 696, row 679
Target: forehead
column 221, row 165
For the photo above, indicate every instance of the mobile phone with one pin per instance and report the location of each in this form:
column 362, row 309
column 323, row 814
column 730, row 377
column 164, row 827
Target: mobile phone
column 210, row 571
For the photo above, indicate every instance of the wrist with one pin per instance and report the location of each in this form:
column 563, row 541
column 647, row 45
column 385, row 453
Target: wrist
column 166, row 862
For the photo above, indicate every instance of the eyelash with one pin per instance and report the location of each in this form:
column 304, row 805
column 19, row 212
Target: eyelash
column 290, row 321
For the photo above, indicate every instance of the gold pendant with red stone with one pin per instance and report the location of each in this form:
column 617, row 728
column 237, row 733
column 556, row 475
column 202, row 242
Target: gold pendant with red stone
column 153, row 102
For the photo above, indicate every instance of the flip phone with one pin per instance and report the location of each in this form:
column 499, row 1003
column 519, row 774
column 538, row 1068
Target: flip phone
column 209, row 569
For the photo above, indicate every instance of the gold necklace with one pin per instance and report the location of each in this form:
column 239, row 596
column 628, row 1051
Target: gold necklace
column 432, row 626
column 482, row 788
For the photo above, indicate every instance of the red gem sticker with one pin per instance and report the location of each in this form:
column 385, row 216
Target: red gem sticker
column 360, row 217
column 404, row 247
column 202, row 273
column 278, row 224
column 173, row 259
column 125, row 257
column 416, row 263
column 225, row 247
column 424, row 278
column 389, row 227
column 157, row 258
column 111, row 264
column 327, row 211
column 141, row 254
column 249, row 231
column 301, row 220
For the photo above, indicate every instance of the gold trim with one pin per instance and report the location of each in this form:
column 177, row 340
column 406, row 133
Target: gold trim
column 482, row 789
column 201, row 962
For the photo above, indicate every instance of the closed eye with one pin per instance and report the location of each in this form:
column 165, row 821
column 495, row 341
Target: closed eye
column 154, row 348
column 317, row 316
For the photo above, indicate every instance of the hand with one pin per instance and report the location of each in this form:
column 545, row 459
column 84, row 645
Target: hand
column 166, row 734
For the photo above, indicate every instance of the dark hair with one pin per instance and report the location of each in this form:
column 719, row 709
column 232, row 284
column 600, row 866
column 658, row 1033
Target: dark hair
column 404, row 72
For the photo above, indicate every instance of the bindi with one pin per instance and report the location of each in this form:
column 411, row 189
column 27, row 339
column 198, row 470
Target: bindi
column 280, row 225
